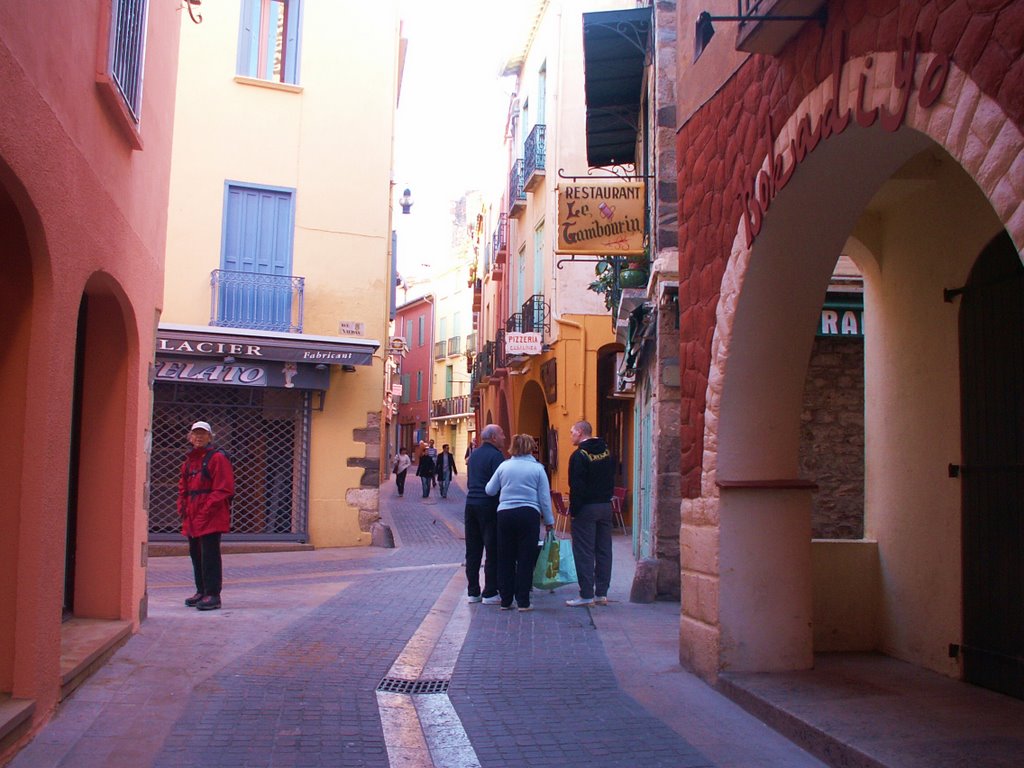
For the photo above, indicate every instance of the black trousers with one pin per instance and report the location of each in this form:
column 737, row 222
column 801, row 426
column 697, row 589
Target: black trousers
column 518, row 532
column 482, row 536
column 206, row 563
column 592, row 549
column 400, row 481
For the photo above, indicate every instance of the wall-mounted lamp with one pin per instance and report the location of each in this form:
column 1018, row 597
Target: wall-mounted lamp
column 405, row 200
column 348, row 368
column 321, row 367
column 705, row 30
column 197, row 18
column 229, row 360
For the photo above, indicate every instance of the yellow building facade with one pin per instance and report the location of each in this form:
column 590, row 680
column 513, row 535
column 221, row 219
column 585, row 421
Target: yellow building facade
column 279, row 264
column 548, row 353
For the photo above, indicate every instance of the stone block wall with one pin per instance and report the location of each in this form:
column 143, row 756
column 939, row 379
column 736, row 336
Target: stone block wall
column 832, row 437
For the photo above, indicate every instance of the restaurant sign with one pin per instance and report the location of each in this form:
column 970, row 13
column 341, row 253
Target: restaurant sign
column 599, row 218
column 523, row 344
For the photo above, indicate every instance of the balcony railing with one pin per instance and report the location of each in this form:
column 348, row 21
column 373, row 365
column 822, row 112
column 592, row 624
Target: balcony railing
column 500, row 360
column 450, row 406
column 454, row 346
column 514, row 324
column 440, row 348
column 501, row 239
column 486, row 360
column 534, row 153
column 536, row 315
column 516, row 189
column 256, row 302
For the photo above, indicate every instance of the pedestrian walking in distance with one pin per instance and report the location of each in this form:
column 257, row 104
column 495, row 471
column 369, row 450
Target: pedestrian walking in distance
column 432, row 453
column 445, row 469
column 591, row 481
column 425, row 471
column 481, row 516
column 525, row 498
column 400, row 467
column 205, row 490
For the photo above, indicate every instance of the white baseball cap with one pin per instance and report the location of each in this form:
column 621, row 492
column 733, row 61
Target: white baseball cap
column 202, row 425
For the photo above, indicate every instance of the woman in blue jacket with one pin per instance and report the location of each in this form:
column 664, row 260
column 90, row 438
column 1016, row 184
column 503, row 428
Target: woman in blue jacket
column 525, row 498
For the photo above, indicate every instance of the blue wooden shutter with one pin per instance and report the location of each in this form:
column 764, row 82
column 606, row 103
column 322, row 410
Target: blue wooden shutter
column 258, row 232
column 291, row 41
column 248, row 39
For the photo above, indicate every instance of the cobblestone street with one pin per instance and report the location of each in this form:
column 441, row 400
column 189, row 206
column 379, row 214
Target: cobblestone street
column 286, row 674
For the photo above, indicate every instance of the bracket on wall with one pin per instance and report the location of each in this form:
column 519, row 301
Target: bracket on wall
column 705, row 29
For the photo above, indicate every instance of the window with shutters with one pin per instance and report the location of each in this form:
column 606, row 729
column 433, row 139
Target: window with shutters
column 269, row 40
column 405, row 387
column 255, row 287
column 419, row 386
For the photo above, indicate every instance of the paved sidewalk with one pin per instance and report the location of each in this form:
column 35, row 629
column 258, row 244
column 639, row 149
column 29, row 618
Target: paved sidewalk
column 286, row 674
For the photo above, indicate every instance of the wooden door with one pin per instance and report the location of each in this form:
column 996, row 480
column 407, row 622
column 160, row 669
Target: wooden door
column 992, row 410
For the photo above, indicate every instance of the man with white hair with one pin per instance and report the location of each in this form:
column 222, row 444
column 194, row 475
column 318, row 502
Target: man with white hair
column 205, row 489
column 481, row 516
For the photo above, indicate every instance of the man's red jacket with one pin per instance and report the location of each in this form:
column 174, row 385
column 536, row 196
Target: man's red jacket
column 204, row 503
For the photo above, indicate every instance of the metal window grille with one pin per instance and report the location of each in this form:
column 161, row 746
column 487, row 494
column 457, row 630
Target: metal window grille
column 127, row 50
column 265, row 433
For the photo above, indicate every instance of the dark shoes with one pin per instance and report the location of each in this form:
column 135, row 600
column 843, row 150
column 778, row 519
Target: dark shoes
column 193, row 601
column 208, row 603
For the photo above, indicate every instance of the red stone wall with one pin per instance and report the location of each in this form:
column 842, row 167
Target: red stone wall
column 721, row 145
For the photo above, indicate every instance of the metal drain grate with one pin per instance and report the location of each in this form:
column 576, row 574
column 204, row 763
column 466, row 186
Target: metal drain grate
column 395, row 685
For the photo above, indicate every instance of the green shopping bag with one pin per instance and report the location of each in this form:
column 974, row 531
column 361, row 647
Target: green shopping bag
column 556, row 566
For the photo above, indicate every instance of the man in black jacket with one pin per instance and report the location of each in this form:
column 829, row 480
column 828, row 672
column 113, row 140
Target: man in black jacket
column 481, row 516
column 591, row 480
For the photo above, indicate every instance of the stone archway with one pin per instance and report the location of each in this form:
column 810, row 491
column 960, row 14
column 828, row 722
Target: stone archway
column 755, row 557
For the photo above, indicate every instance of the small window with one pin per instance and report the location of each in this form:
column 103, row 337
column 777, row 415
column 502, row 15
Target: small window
column 420, row 332
column 419, row 386
column 127, row 50
column 268, row 45
column 405, row 387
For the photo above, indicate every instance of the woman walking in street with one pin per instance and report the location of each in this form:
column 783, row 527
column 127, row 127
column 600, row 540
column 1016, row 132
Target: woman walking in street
column 525, row 497
column 401, row 467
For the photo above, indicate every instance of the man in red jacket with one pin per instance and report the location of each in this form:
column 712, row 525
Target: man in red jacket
column 205, row 489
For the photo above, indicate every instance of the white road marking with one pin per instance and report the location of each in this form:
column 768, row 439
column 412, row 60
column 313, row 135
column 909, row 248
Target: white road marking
column 424, row 731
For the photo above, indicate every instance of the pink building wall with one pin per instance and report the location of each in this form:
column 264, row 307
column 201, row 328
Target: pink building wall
column 83, row 211
column 417, row 360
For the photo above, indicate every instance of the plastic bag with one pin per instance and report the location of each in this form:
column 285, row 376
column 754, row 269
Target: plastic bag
column 556, row 566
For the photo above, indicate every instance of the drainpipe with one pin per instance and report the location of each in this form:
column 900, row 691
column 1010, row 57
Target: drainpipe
column 583, row 365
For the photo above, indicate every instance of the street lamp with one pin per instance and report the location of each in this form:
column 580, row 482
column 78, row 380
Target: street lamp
column 405, row 200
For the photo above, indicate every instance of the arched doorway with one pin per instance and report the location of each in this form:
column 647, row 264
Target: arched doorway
column 102, row 403
column 533, row 420
column 16, row 305
column 922, row 219
column 992, row 414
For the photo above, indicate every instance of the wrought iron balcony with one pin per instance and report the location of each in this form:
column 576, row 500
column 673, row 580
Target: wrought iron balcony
column 514, row 324
column 536, row 315
column 454, row 346
column 486, row 361
column 500, row 361
column 516, row 189
column 500, row 240
column 451, row 406
column 534, row 152
column 440, row 348
column 256, row 302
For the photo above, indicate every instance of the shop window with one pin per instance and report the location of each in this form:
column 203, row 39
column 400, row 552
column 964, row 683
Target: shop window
column 269, row 41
